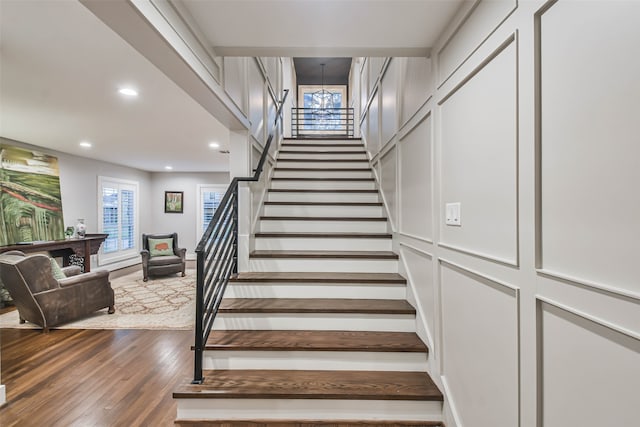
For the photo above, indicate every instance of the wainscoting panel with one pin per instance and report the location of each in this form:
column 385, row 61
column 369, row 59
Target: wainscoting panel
column 479, row 159
column 480, row 342
column 235, row 73
column 256, row 100
column 389, row 107
column 419, row 266
column 614, row 308
column 388, row 185
column 479, row 23
column 416, row 85
column 416, row 183
column 373, row 131
column 588, row 373
column 588, row 142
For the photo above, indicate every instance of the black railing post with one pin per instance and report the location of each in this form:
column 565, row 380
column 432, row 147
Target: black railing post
column 235, row 230
column 199, row 336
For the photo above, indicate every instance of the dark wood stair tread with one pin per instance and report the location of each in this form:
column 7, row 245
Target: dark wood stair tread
column 320, row 277
column 315, row 305
column 325, row 235
column 322, row 218
column 289, row 340
column 293, row 178
column 304, row 190
column 325, row 254
column 323, row 203
column 289, row 384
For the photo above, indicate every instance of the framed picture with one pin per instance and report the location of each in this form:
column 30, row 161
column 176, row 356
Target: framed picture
column 173, row 201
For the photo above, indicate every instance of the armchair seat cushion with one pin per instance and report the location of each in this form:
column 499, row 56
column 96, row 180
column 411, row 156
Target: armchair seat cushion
column 164, row 260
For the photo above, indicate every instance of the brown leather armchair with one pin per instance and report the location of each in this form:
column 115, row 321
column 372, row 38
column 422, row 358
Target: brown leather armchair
column 170, row 262
column 47, row 302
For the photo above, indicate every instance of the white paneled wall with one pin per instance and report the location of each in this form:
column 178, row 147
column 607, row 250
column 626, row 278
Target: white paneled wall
column 416, row 182
column 479, row 148
column 526, row 114
column 603, row 129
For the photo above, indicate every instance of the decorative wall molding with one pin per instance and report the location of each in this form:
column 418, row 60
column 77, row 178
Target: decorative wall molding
column 616, row 292
column 467, row 17
column 515, row 262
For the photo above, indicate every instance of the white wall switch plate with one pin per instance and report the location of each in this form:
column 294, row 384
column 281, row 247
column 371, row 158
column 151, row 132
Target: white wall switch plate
column 453, row 214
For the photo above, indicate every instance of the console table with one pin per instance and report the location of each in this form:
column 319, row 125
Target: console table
column 85, row 247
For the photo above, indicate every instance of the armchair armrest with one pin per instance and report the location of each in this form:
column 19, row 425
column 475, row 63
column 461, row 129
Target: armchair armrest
column 145, row 255
column 96, row 275
column 72, row 270
column 181, row 252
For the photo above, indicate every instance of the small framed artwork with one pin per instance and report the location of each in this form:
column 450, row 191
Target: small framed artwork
column 173, row 201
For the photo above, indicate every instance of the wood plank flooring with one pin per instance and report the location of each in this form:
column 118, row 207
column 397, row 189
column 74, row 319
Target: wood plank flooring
column 93, row 377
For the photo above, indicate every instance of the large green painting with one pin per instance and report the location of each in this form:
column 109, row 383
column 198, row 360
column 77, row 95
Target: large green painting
column 30, row 203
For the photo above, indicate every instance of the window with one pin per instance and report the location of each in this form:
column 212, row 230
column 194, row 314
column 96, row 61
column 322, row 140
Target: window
column 118, row 216
column 209, row 198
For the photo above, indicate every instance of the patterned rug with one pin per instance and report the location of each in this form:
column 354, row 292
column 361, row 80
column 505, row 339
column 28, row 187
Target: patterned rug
column 161, row 303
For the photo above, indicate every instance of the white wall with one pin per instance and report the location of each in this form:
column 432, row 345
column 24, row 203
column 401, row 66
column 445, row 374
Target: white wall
column 526, row 113
column 185, row 224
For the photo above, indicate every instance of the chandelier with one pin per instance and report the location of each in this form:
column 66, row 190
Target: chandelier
column 322, row 104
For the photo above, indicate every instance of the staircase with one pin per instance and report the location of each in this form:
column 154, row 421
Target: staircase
column 319, row 331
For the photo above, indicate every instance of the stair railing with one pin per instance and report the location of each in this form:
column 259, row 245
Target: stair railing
column 322, row 122
column 217, row 255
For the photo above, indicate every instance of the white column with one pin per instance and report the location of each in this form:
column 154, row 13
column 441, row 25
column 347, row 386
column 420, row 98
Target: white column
column 240, row 166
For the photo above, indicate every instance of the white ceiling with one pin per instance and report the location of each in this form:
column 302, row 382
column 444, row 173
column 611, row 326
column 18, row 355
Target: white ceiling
column 322, row 27
column 60, row 68
column 60, row 71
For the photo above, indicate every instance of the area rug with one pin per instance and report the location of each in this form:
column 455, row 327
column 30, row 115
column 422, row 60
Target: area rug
column 161, row 303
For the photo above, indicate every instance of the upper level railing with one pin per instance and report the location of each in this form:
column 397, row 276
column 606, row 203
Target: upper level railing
column 322, row 122
column 217, row 255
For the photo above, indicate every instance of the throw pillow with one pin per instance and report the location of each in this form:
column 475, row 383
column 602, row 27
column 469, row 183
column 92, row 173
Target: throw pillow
column 161, row 247
column 56, row 270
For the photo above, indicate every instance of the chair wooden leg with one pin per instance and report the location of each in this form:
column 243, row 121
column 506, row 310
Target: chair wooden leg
column 111, row 310
column 22, row 320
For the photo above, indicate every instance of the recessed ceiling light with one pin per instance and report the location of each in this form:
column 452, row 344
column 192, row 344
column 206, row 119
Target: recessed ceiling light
column 85, row 144
column 214, row 145
column 168, row 168
column 127, row 91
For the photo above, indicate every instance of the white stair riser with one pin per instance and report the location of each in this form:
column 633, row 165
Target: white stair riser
column 316, row 360
column 323, row 185
column 317, row 155
column 307, row 409
column 306, row 290
column 279, row 173
column 324, row 147
column 323, row 210
column 322, row 226
column 316, row 322
column 322, row 244
column 275, row 196
column 323, row 264
column 283, row 163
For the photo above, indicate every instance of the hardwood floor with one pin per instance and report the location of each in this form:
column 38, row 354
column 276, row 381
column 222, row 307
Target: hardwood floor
column 92, row 377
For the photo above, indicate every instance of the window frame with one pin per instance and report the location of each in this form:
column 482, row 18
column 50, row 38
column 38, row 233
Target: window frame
column 120, row 184
column 200, row 189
